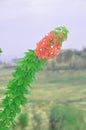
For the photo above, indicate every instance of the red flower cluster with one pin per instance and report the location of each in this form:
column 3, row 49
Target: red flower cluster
column 49, row 46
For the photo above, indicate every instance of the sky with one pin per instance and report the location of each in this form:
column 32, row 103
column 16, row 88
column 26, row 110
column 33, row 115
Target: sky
column 24, row 22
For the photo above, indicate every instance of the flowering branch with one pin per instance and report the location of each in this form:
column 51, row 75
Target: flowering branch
column 24, row 74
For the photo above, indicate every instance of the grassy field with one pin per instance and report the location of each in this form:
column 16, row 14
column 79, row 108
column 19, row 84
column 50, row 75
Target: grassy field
column 61, row 86
column 50, row 88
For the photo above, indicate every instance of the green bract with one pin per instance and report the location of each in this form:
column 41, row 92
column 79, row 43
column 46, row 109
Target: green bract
column 61, row 29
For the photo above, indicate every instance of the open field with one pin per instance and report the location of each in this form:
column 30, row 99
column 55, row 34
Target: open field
column 50, row 88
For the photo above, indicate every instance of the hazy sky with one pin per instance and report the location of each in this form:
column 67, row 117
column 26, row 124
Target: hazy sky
column 24, row 22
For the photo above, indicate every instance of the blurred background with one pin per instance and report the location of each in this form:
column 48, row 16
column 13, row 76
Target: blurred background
column 58, row 95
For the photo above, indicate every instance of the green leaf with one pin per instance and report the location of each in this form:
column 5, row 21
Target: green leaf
column 30, row 66
column 7, row 122
column 21, row 62
column 24, row 100
column 29, row 86
column 20, row 81
column 12, row 106
column 60, row 40
column 3, row 115
column 6, row 101
column 7, row 110
column 18, row 110
column 18, row 101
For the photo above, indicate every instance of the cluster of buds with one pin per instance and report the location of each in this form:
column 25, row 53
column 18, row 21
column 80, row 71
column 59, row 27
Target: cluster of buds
column 50, row 45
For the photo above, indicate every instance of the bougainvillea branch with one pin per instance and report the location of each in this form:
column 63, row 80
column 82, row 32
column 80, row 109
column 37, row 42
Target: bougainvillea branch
column 33, row 61
column 50, row 45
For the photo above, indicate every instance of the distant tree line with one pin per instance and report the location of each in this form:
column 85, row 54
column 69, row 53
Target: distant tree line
column 68, row 59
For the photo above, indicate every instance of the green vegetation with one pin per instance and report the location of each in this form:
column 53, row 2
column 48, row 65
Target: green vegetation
column 57, row 86
column 23, row 120
column 66, row 118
